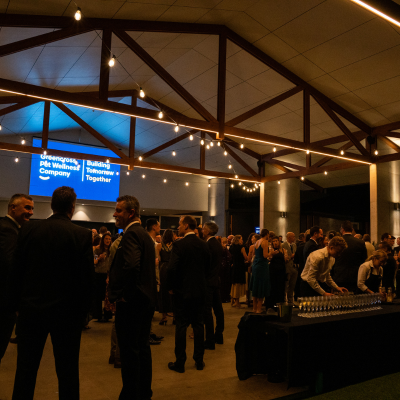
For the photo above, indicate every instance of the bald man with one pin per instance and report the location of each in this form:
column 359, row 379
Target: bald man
column 291, row 272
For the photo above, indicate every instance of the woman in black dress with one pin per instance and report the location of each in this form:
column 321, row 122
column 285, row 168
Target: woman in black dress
column 239, row 270
column 277, row 274
column 164, row 298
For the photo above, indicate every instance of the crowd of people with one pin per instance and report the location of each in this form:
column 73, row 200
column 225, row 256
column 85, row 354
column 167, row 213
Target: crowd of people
column 52, row 268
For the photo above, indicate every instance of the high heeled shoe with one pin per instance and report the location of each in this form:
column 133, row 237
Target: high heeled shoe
column 163, row 321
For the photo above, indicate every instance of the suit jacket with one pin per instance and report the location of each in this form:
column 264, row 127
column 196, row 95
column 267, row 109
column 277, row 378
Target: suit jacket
column 8, row 243
column 189, row 267
column 309, row 247
column 216, row 251
column 286, row 246
column 133, row 271
column 346, row 266
column 299, row 256
column 54, row 270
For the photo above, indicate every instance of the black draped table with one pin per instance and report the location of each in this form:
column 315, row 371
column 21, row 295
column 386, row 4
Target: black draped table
column 328, row 352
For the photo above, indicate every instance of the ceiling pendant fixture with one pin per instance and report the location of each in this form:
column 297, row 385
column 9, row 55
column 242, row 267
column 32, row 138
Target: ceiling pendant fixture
column 161, row 115
column 141, row 93
column 111, row 63
column 78, row 14
column 176, row 128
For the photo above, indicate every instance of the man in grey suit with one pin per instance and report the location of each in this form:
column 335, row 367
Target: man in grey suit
column 20, row 209
column 291, row 271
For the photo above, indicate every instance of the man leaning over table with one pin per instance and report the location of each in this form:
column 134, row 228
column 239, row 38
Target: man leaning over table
column 316, row 276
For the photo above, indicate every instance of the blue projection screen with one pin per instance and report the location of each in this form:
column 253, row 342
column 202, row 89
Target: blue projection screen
column 92, row 180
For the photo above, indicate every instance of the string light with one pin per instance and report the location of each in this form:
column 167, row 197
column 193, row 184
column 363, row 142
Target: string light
column 141, row 93
column 17, row 159
column 209, row 185
column 202, row 142
column 44, row 152
column 308, row 151
column 302, row 178
column 0, row 127
column 187, row 183
column 225, row 153
column 208, row 146
column 176, row 128
column 241, row 145
column 230, row 166
column 161, row 115
column 326, row 172
column 108, row 161
column 244, row 188
column 127, row 172
column 218, row 144
column 111, row 63
column 173, row 153
column 191, row 137
column 376, row 152
column 236, row 176
column 232, row 186
column 211, row 144
column 23, row 141
column 240, row 183
column 342, row 152
column 279, row 182
column 274, row 149
column 165, row 181
column 140, row 158
column 78, row 14
column 143, row 176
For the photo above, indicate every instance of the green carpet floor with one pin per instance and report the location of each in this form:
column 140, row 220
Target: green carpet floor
column 384, row 388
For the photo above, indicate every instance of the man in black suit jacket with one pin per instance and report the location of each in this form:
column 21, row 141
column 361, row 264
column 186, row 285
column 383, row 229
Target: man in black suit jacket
column 20, row 209
column 133, row 286
column 187, row 276
column 345, row 270
column 312, row 244
column 51, row 279
column 213, row 299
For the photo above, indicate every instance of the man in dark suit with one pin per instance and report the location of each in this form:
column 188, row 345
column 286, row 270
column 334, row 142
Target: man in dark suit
column 133, row 286
column 213, row 299
column 187, row 276
column 20, row 209
column 52, row 278
column 312, row 244
column 345, row 270
column 299, row 262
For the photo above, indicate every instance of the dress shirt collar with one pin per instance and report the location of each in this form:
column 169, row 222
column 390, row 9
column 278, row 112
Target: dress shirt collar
column 132, row 223
column 13, row 220
column 314, row 240
column 209, row 238
column 189, row 233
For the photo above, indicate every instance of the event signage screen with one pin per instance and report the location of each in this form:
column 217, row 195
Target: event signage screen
column 92, row 180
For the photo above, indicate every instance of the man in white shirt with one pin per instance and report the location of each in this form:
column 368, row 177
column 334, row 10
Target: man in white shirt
column 316, row 276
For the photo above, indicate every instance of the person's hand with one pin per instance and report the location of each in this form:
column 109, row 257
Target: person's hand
column 342, row 289
column 102, row 256
column 328, row 294
column 171, row 292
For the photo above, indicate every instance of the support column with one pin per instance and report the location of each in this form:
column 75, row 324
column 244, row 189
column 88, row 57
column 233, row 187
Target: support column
column 218, row 203
column 384, row 193
column 276, row 198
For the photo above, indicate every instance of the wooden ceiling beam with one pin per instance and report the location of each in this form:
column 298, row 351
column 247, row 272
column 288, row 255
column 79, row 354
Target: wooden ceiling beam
column 46, row 122
column 262, row 107
column 16, row 107
column 241, row 161
column 41, row 40
column 323, row 161
column 286, row 164
column 163, row 74
column 104, row 64
column 91, row 130
column 389, row 143
column 132, row 134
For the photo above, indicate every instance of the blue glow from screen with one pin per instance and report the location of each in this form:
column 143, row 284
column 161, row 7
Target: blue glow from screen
column 92, row 180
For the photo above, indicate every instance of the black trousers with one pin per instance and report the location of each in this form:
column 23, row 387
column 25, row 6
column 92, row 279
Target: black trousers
column 7, row 322
column 297, row 291
column 99, row 296
column 188, row 312
column 133, row 325
column 213, row 302
column 33, row 329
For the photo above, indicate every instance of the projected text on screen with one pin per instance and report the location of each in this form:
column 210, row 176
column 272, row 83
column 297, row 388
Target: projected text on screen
column 92, row 180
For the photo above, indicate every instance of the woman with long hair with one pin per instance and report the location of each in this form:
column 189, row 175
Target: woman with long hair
column 370, row 273
column 101, row 268
column 239, row 269
column 164, row 298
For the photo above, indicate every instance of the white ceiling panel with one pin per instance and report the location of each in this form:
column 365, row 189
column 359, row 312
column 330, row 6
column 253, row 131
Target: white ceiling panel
column 183, row 14
column 149, row 12
column 276, row 48
column 304, row 68
column 244, row 65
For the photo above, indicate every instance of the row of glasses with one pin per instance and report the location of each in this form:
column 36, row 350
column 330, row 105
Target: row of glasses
column 323, row 306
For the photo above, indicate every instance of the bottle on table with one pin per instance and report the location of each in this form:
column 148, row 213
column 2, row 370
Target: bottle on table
column 389, row 297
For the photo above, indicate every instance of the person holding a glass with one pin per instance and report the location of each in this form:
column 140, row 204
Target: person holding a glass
column 370, row 273
column 316, row 276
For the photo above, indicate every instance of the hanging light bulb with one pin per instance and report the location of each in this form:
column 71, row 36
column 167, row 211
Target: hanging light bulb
column 274, row 149
column 127, row 172
column 218, row 144
column 376, row 152
column 208, row 146
column 78, row 14
column 255, row 185
column 230, row 166
column 232, row 186
column 17, row 159
column 244, row 188
column 241, row 145
column 302, row 178
column 108, row 160
column 161, row 115
column 342, row 152
column 111, row 63
column 143, row 176
column 248, row 190
column 225, row 153
column 236, row 176
column 165, row 181
column 202, row 142
column 176, row 128
column 0, row 127
column 240, row 183
column 44, row 152
column 187, row 183
column 141, row 93
column 279, row 182
column 211, row 144
column 140, row 158
column 23, row 141
column 326, row 172
column 209, row 185
column 308, row 151
column 173, row 153
column 191, row 137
